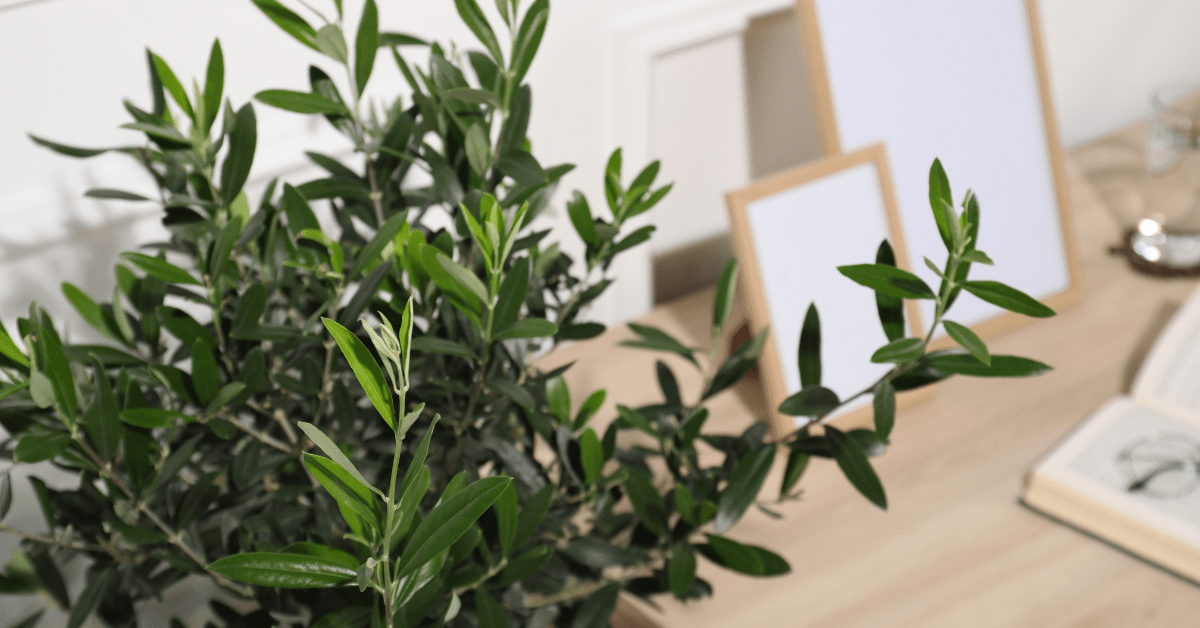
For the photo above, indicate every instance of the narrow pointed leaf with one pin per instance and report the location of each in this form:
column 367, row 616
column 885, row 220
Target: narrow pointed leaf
column 900, row 351
column 335, row 453
column 347, row 490
column 527, row 328
column 890, row 308
column 959, row 363
column 853, row 462
column 243, row 138
column 161, row 269
column 299, row 102
column 366, row 45
column 884, row 405
column 743, row 558
column 723, row 299
column 104, row 429
column 1008, row 298
column 284, row 570
column 809, row 357
column 888, row 280
column 448, row 521
column 366, row 369
column 681, row 570
column 969, row 341
column 812, row 401
column 744, row 485
column 939, row 196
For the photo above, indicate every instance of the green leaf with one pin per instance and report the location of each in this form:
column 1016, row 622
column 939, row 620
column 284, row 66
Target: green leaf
column 49, row 575
column 332, row 43
column 58, row 368
column 978, row 257
column 431, row 344
column 744, row 485
column 448, row 521
column 969, row 341
column 299, row 102
column 723, row 299
column 884, row 404
column 173, row 86
column 811, row 401
column 507, row 514
column 591, row 455
column 474, row 18
column 809, row 358
column 681, row 570
column 337, row 259
column 5, row 494
column 491, row 613
column 961, row 363
column 558, row 397
column 103, row 421
column 529, row 37
column 479, row 151
column 900, row 351
column 513, row 291
column 473, row 96
column 305, row 548
column 153, row 417
column 796, row 463
column 647, row 501
column 533, row 513
column 464, row 278
column 30, row 621
column 853, row 462
column 668, row 384
column 39, row 446
column 939, row 197
column 743, row 558
column 119, row 195
column 636, row 420
column 890, row 308
column 374, row 248
column 9, row 349
column 242, row 140
column 400, row 39
column 89, row 597
column 658, row 340
column 291, row 23
column 1008, row 298
column 596, row 611
column 226, row 239
column 69, row 151
column 581, row 217
column 522, row 167
column 365, row 45
column 366, row 369
column 214, row 84
column 160, row 268
column 89, row 310
column 41, row 389
column 888, row 280
column 344, row 488
column 205, row 377
column 137, row 535
column 335, row 453
column 284, row 570
column 527, row 328
column 589, row 408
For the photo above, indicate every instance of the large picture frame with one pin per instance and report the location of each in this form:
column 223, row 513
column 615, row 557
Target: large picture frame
column 790, row 233
column 965, row 82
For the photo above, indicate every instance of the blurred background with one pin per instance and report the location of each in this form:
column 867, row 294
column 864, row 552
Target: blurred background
column 716, row 89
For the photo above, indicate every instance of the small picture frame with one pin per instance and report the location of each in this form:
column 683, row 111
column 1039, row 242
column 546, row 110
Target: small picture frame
column 790, row 233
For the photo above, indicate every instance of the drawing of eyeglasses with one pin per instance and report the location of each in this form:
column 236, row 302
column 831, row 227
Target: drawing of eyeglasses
column 1166, row 466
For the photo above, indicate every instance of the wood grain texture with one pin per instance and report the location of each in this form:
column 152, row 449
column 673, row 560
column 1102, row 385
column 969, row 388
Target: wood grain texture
column 955, row 549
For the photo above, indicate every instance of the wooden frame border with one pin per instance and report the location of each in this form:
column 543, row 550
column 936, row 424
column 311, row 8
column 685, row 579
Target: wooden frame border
column 770, row 361
column 814, row 55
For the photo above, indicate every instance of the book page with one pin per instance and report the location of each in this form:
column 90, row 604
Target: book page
column 1170, row 377
column 1138, row 460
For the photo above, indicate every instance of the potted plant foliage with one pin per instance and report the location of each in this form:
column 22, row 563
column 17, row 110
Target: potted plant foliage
column 327, row 405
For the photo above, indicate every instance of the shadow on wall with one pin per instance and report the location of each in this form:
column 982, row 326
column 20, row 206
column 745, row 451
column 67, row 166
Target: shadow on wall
column 82, row 252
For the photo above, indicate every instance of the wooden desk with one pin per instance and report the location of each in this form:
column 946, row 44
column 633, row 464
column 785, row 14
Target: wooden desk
column 955, row 549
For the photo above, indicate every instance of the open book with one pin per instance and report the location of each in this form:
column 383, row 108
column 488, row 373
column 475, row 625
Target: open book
column 1130, row 474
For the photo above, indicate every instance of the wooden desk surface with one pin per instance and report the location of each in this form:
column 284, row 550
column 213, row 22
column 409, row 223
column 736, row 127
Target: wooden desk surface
column 955, row 549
